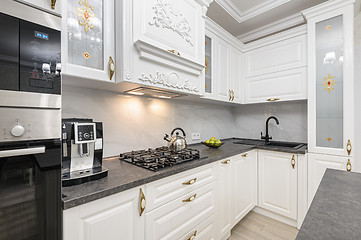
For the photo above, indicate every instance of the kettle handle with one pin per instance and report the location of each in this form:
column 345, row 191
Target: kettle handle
column 184, row 134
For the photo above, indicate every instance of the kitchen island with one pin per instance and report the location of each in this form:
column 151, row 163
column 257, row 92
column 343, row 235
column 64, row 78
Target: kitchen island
column 335, row 212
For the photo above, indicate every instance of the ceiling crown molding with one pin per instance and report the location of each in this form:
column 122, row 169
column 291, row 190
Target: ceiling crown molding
column 277, row 26
column 240, row 16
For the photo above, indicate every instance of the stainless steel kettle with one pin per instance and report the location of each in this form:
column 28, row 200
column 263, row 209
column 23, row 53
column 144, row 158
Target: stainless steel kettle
column 176, row 143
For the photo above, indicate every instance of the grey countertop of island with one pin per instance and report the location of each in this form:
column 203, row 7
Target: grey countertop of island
column 123, row 176
column 335, row 212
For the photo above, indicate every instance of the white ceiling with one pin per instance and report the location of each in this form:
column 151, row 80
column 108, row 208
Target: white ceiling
column 240, row 17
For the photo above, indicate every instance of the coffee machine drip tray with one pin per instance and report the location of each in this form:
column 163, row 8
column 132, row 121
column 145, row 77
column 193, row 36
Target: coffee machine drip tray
column 82, row 176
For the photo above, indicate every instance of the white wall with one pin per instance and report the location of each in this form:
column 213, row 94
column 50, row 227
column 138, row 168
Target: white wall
column 132, row 122
column 250, row 120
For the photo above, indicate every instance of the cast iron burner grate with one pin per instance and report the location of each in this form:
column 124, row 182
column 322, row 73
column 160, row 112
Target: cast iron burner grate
column 155, row 159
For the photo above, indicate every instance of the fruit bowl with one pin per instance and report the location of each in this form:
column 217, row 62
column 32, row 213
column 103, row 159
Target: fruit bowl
column 213, row 145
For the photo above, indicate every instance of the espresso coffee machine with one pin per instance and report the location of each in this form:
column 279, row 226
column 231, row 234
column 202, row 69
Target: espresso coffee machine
column 82, row 144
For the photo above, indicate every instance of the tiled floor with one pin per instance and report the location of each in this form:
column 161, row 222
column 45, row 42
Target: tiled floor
column 255, row 226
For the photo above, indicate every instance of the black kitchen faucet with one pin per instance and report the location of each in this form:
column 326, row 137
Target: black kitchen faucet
column 268, row 137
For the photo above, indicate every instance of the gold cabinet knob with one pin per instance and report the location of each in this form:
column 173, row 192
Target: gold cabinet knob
column 193, row 236
column 245, row 155
column 349, row 147
column 111, row 68
column 293, row 162
column 348, row 166
column 190, row 182
column 142, row 202
column 174, row 52
column 272, row 99
column 226, row 162
column 190, row 199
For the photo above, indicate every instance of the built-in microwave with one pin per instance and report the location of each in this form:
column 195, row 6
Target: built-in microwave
column 30, row 59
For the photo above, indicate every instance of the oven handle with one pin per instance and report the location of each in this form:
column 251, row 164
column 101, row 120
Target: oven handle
column 21, row 152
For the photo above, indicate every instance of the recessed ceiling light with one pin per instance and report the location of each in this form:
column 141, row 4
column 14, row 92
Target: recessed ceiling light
column 166, row 97
column 136, row 93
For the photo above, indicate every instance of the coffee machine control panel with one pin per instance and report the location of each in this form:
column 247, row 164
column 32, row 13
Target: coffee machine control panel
column 84, row 133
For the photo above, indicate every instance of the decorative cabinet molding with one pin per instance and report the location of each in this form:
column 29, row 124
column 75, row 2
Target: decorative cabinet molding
column 166, row 16
column 171, row 80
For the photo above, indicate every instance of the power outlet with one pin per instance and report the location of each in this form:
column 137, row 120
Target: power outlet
column 196, row 136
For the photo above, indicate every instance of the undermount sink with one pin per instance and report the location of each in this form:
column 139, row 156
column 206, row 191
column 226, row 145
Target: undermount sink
column 286, row 144
column 272, row 143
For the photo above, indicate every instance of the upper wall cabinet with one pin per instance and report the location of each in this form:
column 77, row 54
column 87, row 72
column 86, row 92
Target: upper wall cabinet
column 51, row 6
column 223, row 60
column 168, row 36
column 331, row 78
column 88, row 47
column 275, row 68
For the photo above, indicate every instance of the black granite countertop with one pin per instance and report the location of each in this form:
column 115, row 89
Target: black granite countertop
column 335, row 212
column 123, row 176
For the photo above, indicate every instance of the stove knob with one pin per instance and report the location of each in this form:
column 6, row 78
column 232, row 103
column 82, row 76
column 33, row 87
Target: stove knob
column 86, row 135
column 17, row 131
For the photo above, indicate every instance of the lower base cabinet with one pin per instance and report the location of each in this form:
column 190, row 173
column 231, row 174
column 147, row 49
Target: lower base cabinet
column 237, row 190
column 278, row 183
column 110, row 218
column 317, row 165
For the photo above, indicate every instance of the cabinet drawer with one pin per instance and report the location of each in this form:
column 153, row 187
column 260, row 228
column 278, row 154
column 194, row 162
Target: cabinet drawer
column 204, row 231
column 176, row 218
column 170, row 188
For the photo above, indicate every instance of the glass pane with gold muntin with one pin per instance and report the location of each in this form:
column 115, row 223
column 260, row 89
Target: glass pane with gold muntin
column 85, row 33
column 329, row 83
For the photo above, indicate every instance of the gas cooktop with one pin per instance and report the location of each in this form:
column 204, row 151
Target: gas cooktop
column 155, row 159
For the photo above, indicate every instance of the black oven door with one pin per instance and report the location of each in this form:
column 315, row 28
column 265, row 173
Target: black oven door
column 40, row 60
column 30, row 190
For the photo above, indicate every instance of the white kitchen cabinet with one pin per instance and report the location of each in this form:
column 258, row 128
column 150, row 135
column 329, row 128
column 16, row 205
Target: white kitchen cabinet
column 237, row 190
column 175, row 219
column 275, row 68
column 317, row 165
column 223, row 65
column 110, row 218
column 88, row 41
column 331, row 124
column 52, row 6
column 277, row 176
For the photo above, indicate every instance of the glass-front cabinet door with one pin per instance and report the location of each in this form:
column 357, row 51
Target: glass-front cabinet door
column 208, row 71
column 88, row 39
column 331, row 91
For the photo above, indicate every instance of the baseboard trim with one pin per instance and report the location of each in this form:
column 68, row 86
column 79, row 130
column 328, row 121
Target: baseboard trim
column 276, row 216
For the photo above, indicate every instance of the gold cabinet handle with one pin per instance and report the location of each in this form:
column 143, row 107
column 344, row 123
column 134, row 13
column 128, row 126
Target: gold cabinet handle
column 190, row 182
column 348, row 165
column 53, row 4
column 226, row 162
column 111, row 67
column 245, row 155
column 293, row 162
column 174, row 52
column 142, row 202
column 272, row 99
column 230, row 95
column 190, row 199
column 193, row 236
column 349, row 147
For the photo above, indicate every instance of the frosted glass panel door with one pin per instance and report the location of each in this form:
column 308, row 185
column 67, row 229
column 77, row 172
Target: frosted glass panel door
column 208, row 64
column 85, row 33
column 329, row 83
